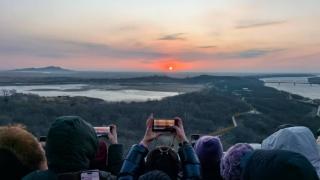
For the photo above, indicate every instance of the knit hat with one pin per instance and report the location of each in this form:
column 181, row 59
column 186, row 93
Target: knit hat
column 230, row 164
column 209, row 150
column 277, row 165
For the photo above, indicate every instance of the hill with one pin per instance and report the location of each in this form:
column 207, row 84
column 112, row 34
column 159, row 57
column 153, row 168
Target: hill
column 48, row 69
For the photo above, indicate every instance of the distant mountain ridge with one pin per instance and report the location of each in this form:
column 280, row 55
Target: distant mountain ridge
column 47, row 69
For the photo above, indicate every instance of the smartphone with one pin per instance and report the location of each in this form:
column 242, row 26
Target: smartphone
column 163, row 125
column 194, row 138
column 90, row 175
column 42, row 139
column 103, row 131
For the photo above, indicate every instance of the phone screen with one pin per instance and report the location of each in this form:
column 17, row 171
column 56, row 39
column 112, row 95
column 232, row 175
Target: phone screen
column 102, row 131
column 163, row 124
column 90, row 175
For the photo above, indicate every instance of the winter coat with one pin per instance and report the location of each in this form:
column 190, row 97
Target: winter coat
column 133, row 165
column 71, row 144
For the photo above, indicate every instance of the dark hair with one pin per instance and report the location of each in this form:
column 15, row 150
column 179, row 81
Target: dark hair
column 165, row 159
column 318, row 132
column 154, row 175
column 283, row 126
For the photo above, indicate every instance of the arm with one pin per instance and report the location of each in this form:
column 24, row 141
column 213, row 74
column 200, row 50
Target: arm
column 190, row 162
column 115, row 152
column 189, row 159
column 115, row 158
column 134, row 163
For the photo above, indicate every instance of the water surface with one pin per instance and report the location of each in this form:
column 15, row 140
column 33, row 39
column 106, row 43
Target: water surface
column 305, row 90
column 81, row 90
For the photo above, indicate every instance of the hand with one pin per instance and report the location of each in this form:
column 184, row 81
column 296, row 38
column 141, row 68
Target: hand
column 112, row 135
column 181, row 135
column 149, row 135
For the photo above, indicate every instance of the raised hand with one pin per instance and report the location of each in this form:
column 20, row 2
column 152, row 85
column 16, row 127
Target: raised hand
column 181, row 135
column 149, row 135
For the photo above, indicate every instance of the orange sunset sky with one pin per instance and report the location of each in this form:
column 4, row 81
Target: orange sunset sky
column 166, row 35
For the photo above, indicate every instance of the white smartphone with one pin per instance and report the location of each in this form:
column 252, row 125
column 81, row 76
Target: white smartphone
column 90, row 175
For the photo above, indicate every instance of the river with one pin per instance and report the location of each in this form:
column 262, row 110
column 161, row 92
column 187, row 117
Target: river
column 305, row 90
column 80, row 90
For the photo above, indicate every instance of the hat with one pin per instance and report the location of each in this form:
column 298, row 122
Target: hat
column 209, row 150
column 230, row 164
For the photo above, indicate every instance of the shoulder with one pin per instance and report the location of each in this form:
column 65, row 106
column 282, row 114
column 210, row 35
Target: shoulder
column 38, row 175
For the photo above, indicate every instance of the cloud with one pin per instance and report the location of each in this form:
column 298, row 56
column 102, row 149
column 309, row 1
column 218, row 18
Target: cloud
column 246, row 54
column 207, row 47
column 172, row 37
column 252, row 53
column 256, row 24
column 58, row 49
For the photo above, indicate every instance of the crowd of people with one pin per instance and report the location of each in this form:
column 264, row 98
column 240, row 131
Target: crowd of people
column 73, row 151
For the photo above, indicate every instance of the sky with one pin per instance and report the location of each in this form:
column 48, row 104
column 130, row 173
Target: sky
column 166, row 35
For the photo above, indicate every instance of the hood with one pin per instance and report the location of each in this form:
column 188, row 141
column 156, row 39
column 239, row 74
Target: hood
column 71, row 144
column 209, row 150
column 277, row 165
column 297, row 139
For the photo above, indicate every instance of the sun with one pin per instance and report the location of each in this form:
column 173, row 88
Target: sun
column 170, row 68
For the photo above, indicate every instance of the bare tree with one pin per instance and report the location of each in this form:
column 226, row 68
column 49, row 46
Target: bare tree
column 6, row 93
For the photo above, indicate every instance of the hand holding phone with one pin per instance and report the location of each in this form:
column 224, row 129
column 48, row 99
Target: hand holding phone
column 179, row 130
column 109, row 132
column 163, row 125
column 149, row 135
column 102, row 131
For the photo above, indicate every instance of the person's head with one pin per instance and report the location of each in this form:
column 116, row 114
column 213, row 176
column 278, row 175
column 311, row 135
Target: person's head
column 164, row 159
column 20, row 153
column 230, row 164
column 155, row 175
column 283, row 126
column 209, row 150
column 277, row 165
column 71, row 144
column 297, row 139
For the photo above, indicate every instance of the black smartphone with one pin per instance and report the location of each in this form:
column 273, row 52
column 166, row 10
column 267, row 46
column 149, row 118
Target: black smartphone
column 163, row 125
column 194, row 138
column 43, row 138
